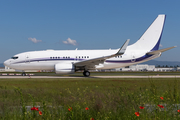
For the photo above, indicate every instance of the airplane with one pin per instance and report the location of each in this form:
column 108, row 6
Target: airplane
column 71, row 61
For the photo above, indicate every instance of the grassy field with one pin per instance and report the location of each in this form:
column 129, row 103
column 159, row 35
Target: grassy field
column 90, row 98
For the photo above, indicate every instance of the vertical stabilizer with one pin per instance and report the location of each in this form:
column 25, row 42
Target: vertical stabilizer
column 150, row 40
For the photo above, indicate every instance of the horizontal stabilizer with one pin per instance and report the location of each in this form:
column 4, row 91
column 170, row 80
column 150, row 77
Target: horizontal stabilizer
column 159, row 51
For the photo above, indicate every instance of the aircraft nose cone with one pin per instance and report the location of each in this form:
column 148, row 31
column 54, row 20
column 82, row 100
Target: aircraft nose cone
column 6, row 63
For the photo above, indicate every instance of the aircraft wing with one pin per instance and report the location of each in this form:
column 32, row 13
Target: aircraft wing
column 97, row 61
column 159, row 51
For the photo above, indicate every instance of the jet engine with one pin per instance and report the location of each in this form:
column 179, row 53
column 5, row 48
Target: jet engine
column 64, row 68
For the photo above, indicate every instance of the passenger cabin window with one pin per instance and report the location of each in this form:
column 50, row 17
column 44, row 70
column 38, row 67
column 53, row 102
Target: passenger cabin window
column 81, row 57
column 14, row 57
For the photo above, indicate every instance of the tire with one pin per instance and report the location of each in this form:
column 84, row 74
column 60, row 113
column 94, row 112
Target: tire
column 23, row 74
column 86, row 73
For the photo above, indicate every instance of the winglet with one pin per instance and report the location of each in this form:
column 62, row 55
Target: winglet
column 123, row 48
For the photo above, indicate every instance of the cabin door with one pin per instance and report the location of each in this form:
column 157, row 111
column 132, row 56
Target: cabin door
column 27, row 58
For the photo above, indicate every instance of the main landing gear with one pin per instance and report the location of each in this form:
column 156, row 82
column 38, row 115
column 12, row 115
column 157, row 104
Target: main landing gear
column 23, row 74
column 86, row 73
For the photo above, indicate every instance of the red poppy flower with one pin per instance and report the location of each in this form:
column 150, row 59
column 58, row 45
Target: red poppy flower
column 178, row 110
column 137, row 114
column 161, row 98
column 141, row 107
column 91, row 118
column 37, row 109
column 86, row 108
column 70, row 108
column 161, row 106
column 33, row 108
column 40, row 113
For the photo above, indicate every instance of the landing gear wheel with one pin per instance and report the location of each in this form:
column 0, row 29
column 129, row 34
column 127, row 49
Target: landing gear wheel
column 23, row 74
column 86, row 73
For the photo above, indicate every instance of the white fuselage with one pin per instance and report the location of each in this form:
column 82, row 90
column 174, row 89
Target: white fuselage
column 46, row 60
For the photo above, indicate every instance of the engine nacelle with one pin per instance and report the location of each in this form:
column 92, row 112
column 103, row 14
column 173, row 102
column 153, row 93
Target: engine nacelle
column 64, row 68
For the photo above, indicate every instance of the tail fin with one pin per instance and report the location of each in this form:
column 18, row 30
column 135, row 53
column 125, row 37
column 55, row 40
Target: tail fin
column 150, row 40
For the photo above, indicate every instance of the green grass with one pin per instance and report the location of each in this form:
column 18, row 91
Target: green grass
column 106, row 99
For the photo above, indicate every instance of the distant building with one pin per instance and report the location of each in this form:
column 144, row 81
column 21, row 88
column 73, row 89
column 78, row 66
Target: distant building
column 8, row 69
column 138, row 67
column 2, row 69
column 178, row 68
column 165, row 69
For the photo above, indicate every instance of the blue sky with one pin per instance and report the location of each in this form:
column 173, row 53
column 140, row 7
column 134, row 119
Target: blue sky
column 93, row 24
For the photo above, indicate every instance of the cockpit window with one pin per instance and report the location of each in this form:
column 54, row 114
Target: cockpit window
column 15, row 57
